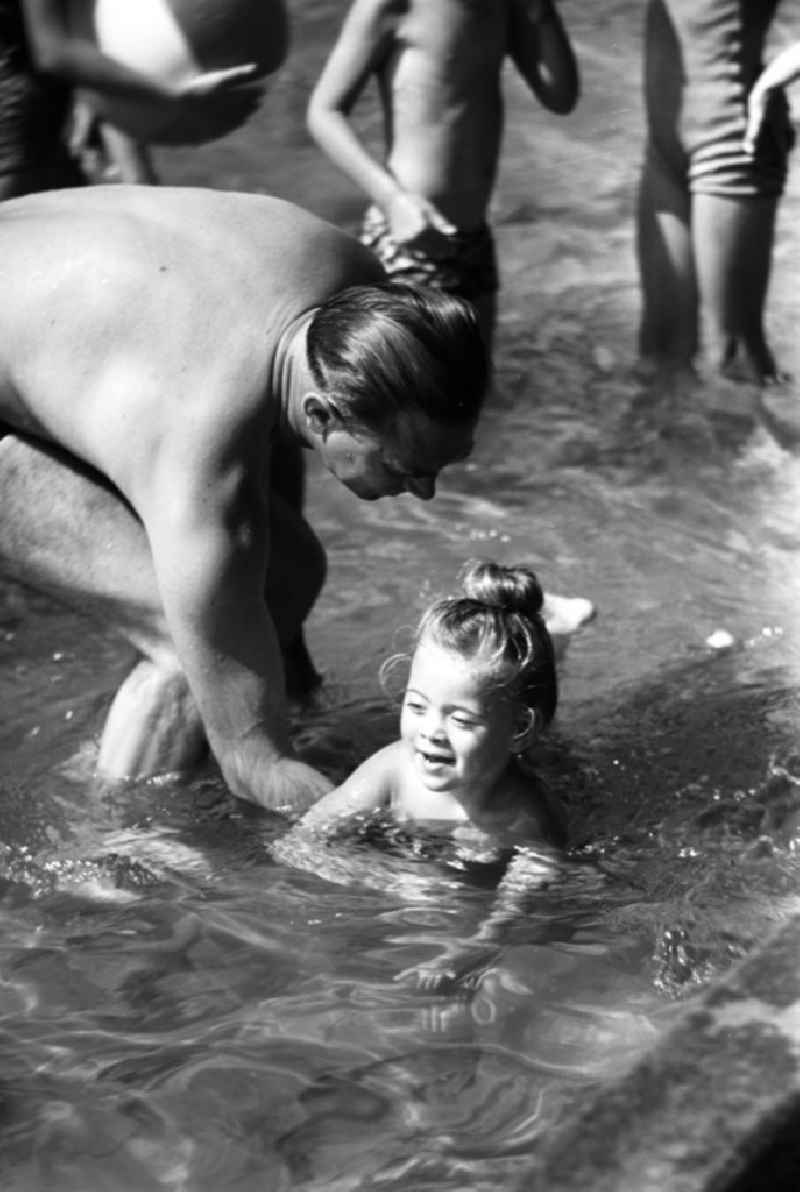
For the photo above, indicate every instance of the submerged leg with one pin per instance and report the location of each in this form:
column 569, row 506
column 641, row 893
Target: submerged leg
column 668, row 330
column 153, row 726
column 733, row 240
column 66, row 531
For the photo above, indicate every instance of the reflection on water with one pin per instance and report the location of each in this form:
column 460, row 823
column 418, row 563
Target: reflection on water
column 179, row 1011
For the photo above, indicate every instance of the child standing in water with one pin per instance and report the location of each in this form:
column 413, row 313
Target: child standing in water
column 481, row 687
column 438, row 67
column 707, row 203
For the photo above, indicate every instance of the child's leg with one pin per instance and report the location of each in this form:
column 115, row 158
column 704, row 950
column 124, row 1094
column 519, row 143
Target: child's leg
column 668, row 330
column 733, row 239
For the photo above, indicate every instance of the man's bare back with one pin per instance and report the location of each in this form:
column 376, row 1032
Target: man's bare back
column 155, row 352
column 106, row 349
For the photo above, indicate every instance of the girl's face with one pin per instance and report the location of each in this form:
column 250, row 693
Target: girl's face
column 458, row 726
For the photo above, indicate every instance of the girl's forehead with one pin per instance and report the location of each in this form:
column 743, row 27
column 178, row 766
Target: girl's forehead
column 435, row 664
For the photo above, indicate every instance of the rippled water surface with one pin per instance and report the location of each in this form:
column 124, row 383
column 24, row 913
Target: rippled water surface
column 177, row 1009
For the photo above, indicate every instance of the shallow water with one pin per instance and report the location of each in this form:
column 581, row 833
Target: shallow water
column 177, row 1009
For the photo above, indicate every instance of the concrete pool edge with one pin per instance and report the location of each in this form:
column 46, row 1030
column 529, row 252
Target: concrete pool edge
column 714, row 1107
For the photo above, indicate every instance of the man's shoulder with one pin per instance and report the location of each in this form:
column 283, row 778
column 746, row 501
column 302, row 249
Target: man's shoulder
column 261, row 232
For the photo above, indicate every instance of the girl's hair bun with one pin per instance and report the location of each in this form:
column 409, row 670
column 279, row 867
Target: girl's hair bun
column 513, row 589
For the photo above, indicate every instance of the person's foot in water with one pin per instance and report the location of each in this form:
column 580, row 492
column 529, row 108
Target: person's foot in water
column 564, row 616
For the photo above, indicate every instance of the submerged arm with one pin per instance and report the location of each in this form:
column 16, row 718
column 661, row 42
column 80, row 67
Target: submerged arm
column 306, row 846
column 542, row 52
column 531, row 869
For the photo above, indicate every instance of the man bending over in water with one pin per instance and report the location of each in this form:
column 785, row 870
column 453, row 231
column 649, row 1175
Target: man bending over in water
column 157, row 347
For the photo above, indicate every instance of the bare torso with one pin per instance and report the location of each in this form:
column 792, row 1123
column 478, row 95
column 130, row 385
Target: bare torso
column 441, row 85
column 142, row 321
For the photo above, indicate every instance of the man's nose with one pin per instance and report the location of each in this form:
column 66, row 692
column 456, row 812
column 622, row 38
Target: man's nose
column 423, row 487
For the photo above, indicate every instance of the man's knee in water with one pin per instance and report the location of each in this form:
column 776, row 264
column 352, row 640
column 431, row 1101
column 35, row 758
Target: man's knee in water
column 153, row 726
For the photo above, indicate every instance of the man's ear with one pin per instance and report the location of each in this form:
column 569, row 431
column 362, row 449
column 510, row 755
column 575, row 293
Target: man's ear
column 320, row 414
column 526, row 729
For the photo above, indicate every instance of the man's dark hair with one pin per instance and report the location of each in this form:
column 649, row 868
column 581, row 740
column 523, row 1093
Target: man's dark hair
column 378, row 350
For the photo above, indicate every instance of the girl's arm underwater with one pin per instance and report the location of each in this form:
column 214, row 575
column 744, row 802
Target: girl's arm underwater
column 532, row 868
column 368, row 788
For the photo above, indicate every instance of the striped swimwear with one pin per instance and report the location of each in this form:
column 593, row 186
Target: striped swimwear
column 715, row 47
column 463, row 264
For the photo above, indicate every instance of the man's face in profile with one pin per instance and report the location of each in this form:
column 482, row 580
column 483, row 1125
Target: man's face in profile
column 404, row 457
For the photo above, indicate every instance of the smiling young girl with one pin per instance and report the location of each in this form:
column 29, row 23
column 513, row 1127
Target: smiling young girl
column 481, row 687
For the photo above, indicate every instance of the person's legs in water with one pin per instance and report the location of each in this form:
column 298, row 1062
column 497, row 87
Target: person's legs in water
column 65, row 530
column 733, row 239
column 668, row 329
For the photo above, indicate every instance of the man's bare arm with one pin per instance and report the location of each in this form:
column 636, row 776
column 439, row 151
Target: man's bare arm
column 209, row 538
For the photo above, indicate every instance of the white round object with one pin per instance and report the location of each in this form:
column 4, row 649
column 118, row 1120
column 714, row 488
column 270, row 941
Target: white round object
column 720, row 639
column 174, row 40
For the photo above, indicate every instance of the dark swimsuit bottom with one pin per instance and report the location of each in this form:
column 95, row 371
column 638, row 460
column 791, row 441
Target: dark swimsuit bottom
column 463, row 264
column 33, row 116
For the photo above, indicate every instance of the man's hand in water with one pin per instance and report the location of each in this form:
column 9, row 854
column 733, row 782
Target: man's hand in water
column 290, row 787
